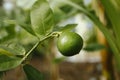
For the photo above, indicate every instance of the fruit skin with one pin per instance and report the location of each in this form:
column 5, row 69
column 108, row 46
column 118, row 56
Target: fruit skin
column 69, row 43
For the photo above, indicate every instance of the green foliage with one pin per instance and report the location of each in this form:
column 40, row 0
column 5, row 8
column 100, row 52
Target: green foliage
column 113, row 12
column 67, row 27
column 94, row 47
column 23, row 19
column 8, row 62
column 25, row 4
column 2, row 15
column 38, row 19
column 32, row 73
column 66, row 8
column 8, row 29
column 12, row 50
column 42, row 18
column 113, row 40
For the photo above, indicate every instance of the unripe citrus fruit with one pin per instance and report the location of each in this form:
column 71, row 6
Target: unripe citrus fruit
column 69, row 43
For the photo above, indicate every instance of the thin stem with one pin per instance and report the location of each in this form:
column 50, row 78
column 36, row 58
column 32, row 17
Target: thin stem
column 30, row 51
column 54, row 34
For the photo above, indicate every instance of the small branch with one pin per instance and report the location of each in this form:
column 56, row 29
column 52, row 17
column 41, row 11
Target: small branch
column 30, row 51
column 54, row 34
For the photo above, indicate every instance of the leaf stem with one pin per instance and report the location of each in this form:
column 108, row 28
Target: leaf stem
column 30, row 51
column 53, row 34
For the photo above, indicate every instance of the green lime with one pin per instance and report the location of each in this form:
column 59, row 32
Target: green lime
column 69, row 43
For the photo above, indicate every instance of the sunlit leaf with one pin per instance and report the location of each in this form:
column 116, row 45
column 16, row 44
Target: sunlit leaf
column 25, row 4
column 42, row 18
column 3, row 50
column 23, row 20
column 18, row 49
column 32, row 73
column 8, row 30
column 12, row 49
column 7, row 63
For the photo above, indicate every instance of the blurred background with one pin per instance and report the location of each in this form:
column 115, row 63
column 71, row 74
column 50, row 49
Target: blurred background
column 94, row 62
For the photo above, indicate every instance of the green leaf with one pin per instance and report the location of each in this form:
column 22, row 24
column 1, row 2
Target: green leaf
column 3, row 13
column 66, row 8
column 79, row 2
column 42, row 18
column 68, row 27
column 27, row 27
column 112, row 8
column 113, row 12
column 10, row 28
column 32, row 73
column 6, row 38
column 4, row 50
column 2, row 17
column 7, row 63
column 12, row 49
column 24, row 21
column 94, row 47
column 17, row 49
column 25, row 4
